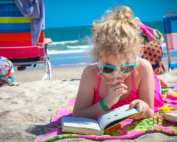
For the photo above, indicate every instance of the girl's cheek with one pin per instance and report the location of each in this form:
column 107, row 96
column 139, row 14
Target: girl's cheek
column 106, row 77
column 126, row 75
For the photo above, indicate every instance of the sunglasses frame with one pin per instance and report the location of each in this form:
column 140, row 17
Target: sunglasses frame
column 115, row 68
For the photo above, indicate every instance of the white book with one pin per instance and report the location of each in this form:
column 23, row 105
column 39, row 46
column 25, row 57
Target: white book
column 170, row 116
column 106, row 122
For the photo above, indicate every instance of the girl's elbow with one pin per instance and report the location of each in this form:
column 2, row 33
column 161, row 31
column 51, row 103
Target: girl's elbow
column 151, row 113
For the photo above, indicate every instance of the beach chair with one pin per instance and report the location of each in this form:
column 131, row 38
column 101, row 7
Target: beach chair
column 170, row 29
column 16, row 40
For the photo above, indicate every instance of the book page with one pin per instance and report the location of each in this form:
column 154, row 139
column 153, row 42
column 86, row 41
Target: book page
column 80, row 123
column 116, row 114
column 170, row 116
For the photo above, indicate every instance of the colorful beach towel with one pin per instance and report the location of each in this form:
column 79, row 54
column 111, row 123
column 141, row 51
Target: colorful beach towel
column 130, row 128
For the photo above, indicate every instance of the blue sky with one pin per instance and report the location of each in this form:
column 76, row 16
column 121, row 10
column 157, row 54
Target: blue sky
column 67, row 13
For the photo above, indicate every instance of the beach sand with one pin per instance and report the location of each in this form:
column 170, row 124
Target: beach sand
column 27, row 106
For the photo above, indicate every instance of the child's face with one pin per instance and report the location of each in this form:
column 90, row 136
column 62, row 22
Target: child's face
column 112, row 60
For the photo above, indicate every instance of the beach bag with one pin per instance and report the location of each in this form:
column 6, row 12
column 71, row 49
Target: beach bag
column 152, row 48
column 6, row 71
column 152, row 51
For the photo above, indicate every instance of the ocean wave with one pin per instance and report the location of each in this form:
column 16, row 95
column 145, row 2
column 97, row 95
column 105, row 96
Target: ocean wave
column 163, row 45
column 64, row 51
column 79, row 46
column 72, row 57
column 64, row 42
column 74, row 65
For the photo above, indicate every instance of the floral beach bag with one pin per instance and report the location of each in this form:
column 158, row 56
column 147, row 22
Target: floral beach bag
column 6, row 71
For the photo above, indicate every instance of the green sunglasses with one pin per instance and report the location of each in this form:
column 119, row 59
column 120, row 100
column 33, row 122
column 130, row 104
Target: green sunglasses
column 108, row 69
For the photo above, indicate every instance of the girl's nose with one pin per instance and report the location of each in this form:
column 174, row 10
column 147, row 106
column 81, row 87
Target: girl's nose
column 117, row 73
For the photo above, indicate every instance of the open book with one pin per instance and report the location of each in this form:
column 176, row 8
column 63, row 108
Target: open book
column 170, row 116
column 106, row 123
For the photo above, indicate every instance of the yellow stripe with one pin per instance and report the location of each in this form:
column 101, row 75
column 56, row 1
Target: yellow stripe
column 170, row 33
column 14, row 20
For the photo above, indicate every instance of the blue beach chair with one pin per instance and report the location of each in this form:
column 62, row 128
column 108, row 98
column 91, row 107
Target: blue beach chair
column 170, row 28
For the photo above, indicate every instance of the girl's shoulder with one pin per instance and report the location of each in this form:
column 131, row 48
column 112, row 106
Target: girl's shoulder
column 144, row 66
column 90, row 75
column 91, row 71
column 143, row 73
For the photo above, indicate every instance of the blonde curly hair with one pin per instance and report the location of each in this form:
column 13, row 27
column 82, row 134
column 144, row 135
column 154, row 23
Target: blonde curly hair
column 118, row 34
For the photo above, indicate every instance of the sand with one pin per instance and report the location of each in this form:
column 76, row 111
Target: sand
column 27, row 106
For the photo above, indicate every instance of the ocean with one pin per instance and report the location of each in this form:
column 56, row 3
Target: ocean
column 70, row 47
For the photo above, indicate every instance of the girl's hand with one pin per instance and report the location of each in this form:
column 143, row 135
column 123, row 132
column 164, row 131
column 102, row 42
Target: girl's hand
column 142, row 106
column 115, row 91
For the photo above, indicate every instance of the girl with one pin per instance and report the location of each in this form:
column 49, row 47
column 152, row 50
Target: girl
column 120, row 76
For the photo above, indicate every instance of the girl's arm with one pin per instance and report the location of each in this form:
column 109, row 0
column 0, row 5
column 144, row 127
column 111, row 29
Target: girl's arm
column 83, row 105
column 145, row 101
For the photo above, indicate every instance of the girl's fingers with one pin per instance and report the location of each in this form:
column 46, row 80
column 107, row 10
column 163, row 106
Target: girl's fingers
column 117, row 86
column 138, row 105
column 116, row 81
column 120, row 91
column 133, row 104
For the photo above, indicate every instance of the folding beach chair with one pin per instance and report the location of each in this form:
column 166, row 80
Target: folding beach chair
column 170, row 28
column 16, row 40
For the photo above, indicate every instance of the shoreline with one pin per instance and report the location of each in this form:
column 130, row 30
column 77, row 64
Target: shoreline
column 69, row 73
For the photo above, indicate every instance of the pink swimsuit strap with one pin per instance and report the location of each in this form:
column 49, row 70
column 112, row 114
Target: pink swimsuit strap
column 99, row 81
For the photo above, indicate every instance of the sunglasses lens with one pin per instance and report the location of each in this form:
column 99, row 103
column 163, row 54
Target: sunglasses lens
column 107, row 69
column 127, row 69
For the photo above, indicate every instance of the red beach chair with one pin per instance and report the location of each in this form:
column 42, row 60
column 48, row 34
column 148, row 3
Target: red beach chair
column 16, row 40
column 170, row 28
